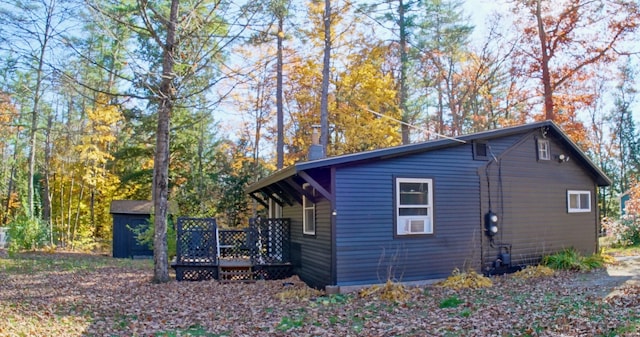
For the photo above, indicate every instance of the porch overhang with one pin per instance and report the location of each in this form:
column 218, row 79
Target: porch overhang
column 285, row 187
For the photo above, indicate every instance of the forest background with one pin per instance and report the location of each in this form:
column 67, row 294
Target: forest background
column 89, row 89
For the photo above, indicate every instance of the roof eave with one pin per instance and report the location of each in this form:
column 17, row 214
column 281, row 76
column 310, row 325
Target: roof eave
column 271, row 179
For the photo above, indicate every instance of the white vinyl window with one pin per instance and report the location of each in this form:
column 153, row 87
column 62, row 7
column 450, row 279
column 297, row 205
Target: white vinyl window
column 308, row 211
column 578, row 201
column 544, row 153
column 414, row 206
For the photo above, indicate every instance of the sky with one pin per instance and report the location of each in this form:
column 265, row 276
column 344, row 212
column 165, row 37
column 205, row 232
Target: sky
column 480, row 10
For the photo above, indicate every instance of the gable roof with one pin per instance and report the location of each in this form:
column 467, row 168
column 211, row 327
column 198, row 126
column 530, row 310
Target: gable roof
column 577, row 154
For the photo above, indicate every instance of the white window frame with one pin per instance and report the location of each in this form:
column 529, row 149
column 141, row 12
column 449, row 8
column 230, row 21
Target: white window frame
column 403, row 221
column 578, row 208
column 308, row 206
column 544, row 150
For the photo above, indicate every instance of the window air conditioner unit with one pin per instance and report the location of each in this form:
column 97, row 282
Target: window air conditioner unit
column 415, row 226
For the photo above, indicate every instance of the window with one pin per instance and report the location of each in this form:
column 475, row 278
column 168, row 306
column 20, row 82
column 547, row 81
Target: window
column 578, row 201
column 308, row 211
column 414, row 206
column 480, row 151
column 544, row 153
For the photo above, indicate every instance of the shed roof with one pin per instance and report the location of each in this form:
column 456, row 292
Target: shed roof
column 131, row 207
column 600, row 177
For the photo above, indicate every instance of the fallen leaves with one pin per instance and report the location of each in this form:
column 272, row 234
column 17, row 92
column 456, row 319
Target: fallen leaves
column 109, row 298
column 390, row 292
column 534, row 272
column 462, row 280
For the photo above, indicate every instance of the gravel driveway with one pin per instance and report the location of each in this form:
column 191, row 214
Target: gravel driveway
column 606, row 282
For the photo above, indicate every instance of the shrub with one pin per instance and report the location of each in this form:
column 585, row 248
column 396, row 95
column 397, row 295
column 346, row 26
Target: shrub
column 570, row 259
column 145, row 234
column 625, row 232
column 26, row 233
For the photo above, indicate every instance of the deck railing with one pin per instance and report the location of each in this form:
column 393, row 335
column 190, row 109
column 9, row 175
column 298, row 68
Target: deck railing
column 202, row 247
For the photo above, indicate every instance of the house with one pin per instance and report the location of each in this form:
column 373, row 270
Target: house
column 488, row 201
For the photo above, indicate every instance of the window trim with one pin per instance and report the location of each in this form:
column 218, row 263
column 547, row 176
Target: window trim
column 306, row 207
column 578, row 193
column 546, row 149
column 399, row 219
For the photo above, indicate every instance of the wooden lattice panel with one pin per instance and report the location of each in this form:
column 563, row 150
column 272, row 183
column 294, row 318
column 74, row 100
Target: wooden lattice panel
column 196, row 273
column 270, row 241
column 233, row 243
column 272, row 272
column 196, row 241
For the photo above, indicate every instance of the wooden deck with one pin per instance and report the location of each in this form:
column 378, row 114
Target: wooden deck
column 232, row 255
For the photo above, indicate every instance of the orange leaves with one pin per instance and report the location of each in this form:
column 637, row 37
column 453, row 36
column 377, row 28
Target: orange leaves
column 633, row 204
column 576, row 36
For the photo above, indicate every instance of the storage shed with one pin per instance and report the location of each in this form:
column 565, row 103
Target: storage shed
column 489, row 201
column 128, row 215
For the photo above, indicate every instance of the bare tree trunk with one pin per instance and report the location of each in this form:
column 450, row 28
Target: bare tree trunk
column 46, row 192
column 404, row 60
column 76, row 221
column 161, row 160
column 44, row 44
column 12, row 175
column 326, row 63
column 69, row 237
column 546, row 75
column 279, row 99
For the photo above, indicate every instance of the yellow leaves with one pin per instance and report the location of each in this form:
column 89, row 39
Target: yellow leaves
column 298, row 293
column 103, row 121
column 390, row 292
column 470, row 279
column 534, row 272
column 632, row 206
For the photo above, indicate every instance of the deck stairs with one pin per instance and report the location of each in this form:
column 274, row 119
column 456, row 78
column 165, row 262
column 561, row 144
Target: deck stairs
column 235, row 270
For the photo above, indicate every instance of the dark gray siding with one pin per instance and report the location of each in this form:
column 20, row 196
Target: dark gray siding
column 311, row 254
column 530, row 196
column 125, row 243
column 367, row 251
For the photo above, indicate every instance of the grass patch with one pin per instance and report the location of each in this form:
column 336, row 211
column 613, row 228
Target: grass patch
column 450, row 302
column 632, row 327
column 287, row 323
column 333, row 299
column 38, row 262
column 570, row 259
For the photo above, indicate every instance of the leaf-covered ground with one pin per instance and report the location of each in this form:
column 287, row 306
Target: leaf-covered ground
column 87, row 295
